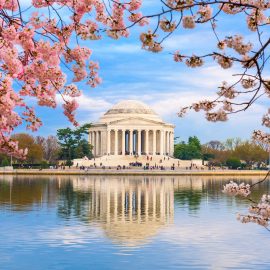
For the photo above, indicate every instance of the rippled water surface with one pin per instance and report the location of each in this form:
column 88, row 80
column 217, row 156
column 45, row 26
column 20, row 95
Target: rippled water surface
column 127, row 223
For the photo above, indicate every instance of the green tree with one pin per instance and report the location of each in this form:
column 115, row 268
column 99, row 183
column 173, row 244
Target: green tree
column 194, row 141
column 233, row 162
column 208, row 156
column 83, row 149
column 5, row 162
column 190, row 150
column 72, row 142
column 66, row 142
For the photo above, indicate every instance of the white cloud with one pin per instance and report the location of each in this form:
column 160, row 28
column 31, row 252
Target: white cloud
column 90, row 104
column 126, row 48
column 93, row 104
column 189, row 40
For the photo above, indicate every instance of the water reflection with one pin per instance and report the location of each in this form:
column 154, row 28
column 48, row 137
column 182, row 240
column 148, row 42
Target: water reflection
column 129, row 210
column 126, row 223
column 24, row 193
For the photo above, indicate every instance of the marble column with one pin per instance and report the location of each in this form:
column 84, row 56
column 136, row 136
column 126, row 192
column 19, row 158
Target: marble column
column 147, row 142
column 103, row 147
column 168, row 143
column 154, row 142
column 90, row 138
column 139, row 134
column 172, row 143
column 108, row 142
column 161, row 142
column 115, row 142
column 97, row 143
column 123, row 142
column 131, row 142
column 94, row 143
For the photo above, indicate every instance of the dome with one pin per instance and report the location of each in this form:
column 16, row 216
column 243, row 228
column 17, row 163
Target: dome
column 129, row 108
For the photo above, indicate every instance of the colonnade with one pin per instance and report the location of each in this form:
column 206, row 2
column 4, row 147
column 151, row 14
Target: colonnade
column 132, row 142
column 123, row 201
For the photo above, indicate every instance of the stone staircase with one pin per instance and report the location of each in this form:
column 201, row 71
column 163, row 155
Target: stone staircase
column 114, row 161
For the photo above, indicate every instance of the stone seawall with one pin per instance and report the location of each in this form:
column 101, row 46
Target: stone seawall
column 133, row 172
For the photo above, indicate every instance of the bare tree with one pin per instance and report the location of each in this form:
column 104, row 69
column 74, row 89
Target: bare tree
column 216, row 145
column 51, row 148
column 232, row 143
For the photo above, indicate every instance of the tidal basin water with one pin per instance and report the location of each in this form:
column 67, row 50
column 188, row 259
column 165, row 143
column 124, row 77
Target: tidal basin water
column 127, row 222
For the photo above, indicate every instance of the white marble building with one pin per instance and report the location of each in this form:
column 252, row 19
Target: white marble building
column 131, row 128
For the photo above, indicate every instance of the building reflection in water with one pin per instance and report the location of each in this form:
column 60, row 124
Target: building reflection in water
column 129, row 210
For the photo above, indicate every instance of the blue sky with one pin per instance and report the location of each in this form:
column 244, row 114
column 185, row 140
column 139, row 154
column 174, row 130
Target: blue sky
column 128, row 72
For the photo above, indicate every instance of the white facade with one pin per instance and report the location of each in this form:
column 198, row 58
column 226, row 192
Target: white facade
column 131, row 128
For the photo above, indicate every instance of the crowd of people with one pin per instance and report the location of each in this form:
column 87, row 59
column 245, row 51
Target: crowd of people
column 136, row 164
column 148, row 165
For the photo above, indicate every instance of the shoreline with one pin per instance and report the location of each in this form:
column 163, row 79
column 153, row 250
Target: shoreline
column 133, row 172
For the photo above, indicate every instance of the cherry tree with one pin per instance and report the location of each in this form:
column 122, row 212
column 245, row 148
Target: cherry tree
column 251, row 83
column 259, row 212
column 37, row 42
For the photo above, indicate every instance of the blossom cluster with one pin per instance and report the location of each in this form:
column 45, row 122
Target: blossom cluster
column 233, row 188
column 261, row 136
column 69, row 110
column 177, row 57
column 180, row 5
column 189, row 22
column 149, row 43
column 93, row 78
column 237, row 43
column 266, row 119
column 205, row 13
column 223, row 61
column 167, row 26
column 71, row 90
column 254, row 219
column 218, row 116
column 32, row 119
column 259, row 213
column 227, row 91
column 248, row 83
column 194, row 61
column 203, row 105
column 35, row 47
column 267, row 87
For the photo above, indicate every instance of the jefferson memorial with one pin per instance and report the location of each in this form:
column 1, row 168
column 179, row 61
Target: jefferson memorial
column 131, row 128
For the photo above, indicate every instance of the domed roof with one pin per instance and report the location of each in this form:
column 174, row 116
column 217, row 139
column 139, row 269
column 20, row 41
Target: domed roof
column 129, row 108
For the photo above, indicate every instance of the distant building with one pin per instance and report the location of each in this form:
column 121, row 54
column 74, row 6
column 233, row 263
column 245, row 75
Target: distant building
column 131, row 128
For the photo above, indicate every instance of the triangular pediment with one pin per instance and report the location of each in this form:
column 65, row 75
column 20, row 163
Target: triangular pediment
column 136, row 121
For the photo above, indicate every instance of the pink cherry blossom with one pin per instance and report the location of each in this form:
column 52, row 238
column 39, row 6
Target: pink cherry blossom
column 234, row 189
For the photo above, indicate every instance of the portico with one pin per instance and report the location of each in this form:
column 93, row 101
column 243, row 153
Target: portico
column 131, row 128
